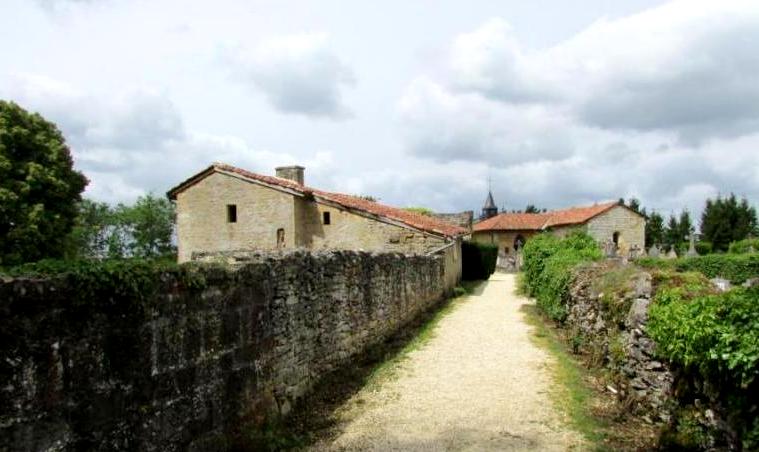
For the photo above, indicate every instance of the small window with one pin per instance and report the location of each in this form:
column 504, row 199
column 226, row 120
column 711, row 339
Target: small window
column 326, row 218
column 231, row 213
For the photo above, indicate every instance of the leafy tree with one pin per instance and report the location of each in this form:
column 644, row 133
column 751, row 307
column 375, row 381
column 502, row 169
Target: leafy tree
column 150, row 224
column 726, row 220
column 144, row 229
column 654, row 229
column 39, row 188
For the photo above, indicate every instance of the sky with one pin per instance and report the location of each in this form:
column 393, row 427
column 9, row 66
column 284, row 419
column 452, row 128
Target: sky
column 415, row 102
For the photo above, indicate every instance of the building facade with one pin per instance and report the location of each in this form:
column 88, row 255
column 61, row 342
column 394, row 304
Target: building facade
column 224, row 208
column 609, row 223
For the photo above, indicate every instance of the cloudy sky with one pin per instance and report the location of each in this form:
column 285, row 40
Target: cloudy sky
column 416, row 102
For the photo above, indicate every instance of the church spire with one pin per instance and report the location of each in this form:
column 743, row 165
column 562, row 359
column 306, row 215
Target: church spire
column 489, row 209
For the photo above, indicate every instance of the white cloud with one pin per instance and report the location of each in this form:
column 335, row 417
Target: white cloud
column 297, row 74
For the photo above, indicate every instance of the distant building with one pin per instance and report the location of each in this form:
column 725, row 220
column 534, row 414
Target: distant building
column 224, row 208
column 609, row 222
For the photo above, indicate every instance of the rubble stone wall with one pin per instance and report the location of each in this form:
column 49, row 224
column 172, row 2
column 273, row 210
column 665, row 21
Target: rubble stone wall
column 183, row 367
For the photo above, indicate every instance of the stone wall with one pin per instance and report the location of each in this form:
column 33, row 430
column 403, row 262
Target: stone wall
column 349, row 230
column 503, row 239
column 607, row 316
column 630, row 226
column 460, row 219
column 184, row 367
column 202, row 216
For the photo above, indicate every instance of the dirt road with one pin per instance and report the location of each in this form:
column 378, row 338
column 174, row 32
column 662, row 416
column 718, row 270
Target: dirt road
column 478, row 384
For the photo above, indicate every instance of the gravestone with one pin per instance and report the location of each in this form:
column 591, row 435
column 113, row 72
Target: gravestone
column 672, row 254
column 692, row 247
column 654, row 251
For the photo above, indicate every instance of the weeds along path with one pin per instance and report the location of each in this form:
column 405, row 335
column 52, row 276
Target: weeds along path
column 477, row 384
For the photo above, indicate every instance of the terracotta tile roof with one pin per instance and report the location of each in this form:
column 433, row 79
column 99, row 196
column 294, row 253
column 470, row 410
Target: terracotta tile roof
column 539, row 221
column 513, row 222
column 412, row 219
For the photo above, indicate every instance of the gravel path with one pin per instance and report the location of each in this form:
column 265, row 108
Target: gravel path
column 478, row 384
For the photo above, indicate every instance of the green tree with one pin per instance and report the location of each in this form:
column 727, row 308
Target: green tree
column 149, row 224
column 39, row 188
column 654, row 230
column 531, row 209
column 634, row 204
column 726, row 220
column 686, row 226
column 672, row 232
column 90, row 237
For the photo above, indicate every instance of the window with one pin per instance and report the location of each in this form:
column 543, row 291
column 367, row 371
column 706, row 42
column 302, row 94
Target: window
column 231, row 213
column 280, row 238
column 615, row 238
column 326, row 218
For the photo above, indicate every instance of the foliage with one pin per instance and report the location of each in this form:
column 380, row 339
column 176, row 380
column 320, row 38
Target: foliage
column 38, row 187
column 420, row 210
column 532, row 209
column 141, row 230
column 727, row 220
column 678, row 231
column 654, row 230
column 478, row 260
column 703, row 247
column 744, row 246
column 716, row 334
column 736, row 268
column 714, row 339
column 548, row 262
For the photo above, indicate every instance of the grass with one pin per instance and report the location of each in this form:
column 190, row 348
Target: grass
column 575, row 396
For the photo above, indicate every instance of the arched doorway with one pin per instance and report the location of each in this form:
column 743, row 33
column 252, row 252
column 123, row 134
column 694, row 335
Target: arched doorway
column 518, row 242
column 615, row 238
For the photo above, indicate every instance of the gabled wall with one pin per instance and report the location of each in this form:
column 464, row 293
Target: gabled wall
column 630, row 225
column 348, row 230
column 202, row 216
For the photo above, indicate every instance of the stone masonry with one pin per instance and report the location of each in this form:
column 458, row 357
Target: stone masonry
column 195, row 363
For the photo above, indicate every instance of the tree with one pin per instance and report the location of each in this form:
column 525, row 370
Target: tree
column 92, row 230
column 531, row 209
column 672, row 232
column 150, row 223
column 39, row 188
column 654, row 230
column 686, row 226
column 725, row 220
column 634, row 204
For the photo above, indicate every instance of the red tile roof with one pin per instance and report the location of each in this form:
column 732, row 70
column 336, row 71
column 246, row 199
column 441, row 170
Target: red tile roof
column 513, row 222
column 412, row 219
column 539, row 221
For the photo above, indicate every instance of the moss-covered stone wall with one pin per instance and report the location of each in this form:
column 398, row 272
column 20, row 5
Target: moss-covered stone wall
column 187, row 361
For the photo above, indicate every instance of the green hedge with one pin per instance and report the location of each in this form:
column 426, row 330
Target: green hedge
column 713, row 338
column 744, row 246
column 478, row 260
column 736, row 268
column 547, row 266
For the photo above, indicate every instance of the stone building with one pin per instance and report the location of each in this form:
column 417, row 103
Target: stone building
column 608, row 223
column 224, row 208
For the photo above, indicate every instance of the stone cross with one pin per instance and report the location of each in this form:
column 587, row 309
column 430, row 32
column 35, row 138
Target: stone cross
column 654, row 251
column 692, row 247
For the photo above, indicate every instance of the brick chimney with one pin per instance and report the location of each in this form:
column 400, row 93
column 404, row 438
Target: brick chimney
column 293, row 173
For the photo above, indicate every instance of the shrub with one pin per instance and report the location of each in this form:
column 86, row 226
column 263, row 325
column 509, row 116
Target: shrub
column 703, row 248
column 744, row 246
column 735, row 267
column 548, row 264
column 714, row 339
column 478, row 260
